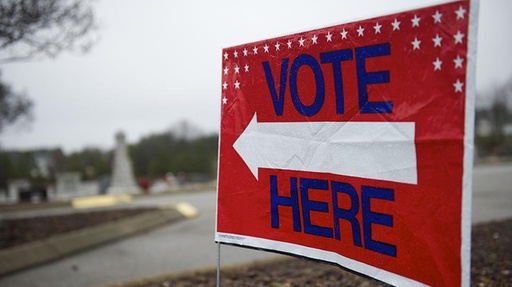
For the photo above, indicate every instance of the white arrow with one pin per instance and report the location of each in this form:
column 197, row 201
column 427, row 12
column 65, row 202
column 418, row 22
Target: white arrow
column 374, row 150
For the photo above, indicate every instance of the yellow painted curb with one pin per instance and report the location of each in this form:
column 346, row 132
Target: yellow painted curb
column 186, row 209
column 100, row 200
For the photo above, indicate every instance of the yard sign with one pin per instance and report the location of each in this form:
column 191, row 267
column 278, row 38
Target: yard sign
column 353, row 144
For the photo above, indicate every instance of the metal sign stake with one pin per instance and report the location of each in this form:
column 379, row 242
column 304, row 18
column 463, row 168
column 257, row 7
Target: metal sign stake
column 218, row 264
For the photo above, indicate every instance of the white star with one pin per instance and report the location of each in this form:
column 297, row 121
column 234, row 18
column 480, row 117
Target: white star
column 237, row 70
column 377, row 28
column 344, row 34
column 329, row 37
column 289, row 43
column 460, row 13
column 245, row 51
column 437, row 41
column 437, row 17
column 437, row 64
column 416, row 43
column 237, row 84
column 458, row 86
column 225, row 55
column 235, row 53
column 360, row 31
column 277, row 45
column 396, row 25
column 226, row 70
column 301, row 42
column 314, row 39
column 224, row 85
column 255, row 50
column 246, row 68
column 416, row 21
column 265, row 48
column 224, row 100
column 458, row 61
column 458, row 37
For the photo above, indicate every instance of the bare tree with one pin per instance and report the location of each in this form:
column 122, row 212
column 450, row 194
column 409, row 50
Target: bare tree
column 31, row 28
column 13, row 106
column 44, row 27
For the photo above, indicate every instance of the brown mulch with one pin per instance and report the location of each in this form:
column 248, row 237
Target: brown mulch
column 491, row 254
column 23, row 230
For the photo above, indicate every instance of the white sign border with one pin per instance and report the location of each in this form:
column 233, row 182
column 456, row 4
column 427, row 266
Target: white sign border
column 318, row 254
column 469, row 150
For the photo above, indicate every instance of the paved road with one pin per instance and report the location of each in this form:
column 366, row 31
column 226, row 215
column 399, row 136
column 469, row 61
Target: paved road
column 189, row 244
column 492, row 192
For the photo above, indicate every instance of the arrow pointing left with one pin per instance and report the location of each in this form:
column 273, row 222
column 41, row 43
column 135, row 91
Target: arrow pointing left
column 374, row 150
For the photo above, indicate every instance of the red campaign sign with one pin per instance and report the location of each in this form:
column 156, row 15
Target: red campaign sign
column 352, row 144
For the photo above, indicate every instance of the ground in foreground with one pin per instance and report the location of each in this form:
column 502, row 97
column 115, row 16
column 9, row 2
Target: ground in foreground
column 491, row 257
column 491, row 261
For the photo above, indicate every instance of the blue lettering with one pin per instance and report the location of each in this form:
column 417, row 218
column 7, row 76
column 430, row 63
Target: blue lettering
column 335, row 58
column 278, row 101
column 292, row 201
column 311, row 205
column 369, row 218
column 315, row 107
column 302, row 207
column 366, row 78
column 350, row 214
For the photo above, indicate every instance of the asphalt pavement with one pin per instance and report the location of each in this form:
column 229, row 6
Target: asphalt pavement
column 492, row 192
column 189, row 244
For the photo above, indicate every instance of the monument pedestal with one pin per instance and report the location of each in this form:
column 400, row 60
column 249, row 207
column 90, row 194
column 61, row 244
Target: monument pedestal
column 122, row 173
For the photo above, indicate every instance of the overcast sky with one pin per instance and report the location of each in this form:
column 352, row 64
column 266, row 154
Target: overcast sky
column 159, row 62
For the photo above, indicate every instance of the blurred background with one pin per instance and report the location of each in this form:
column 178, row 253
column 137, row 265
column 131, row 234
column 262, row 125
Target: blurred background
column 74, row 73
column 96, row 94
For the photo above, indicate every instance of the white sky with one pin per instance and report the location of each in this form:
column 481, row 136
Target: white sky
column 159, row 62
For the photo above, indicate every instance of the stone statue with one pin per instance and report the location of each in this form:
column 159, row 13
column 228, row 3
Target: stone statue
column 122, row 173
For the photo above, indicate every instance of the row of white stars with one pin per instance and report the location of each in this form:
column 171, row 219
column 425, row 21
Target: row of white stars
column 437, row 65
column 458, row 37
column 416, row 46
column 458, row 63
column 236, row 83
column 237, row 69
column 460, row 14
column 437, row 40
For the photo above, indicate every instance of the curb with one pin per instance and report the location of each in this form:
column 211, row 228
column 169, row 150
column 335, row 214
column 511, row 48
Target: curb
column 100, row 200
column 56, row 247
column 33, row 206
